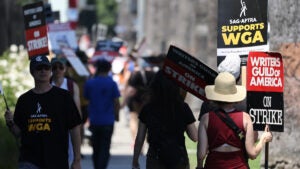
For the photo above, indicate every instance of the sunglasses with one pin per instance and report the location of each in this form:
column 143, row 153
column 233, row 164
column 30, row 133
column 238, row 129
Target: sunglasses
column 42, row 67
column 55, row 67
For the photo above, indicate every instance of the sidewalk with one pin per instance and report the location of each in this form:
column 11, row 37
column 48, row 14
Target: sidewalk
column 121, row 148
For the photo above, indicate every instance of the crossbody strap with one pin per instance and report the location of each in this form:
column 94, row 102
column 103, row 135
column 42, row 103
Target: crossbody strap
column 230, row 123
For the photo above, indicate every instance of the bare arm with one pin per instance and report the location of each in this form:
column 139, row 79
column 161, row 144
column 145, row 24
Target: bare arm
column 76, row 142
column 129, row 91
column 76, row 97
column 202, row 147
column 139, row 141
column 191, row 131
column 253, row 149
column 117, row 108
column 13, row 128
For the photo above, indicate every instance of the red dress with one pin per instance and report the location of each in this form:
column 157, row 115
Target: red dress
column 218, row 134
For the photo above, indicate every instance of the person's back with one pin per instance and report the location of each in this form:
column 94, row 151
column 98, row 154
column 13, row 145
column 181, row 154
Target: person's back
column 103, row 96
column 101, row 91
column 226, row 136
column 165, row 117
column 220, row 137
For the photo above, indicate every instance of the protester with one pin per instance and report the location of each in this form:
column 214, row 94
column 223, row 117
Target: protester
column 221, row 145
column 80, row 81
column 103, row 96
column 42, row 120
column 231, row 64
column 59, row 80
column 134, row 92
column 164, row 118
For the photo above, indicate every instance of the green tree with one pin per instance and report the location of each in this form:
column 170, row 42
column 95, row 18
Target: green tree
column 107, row 13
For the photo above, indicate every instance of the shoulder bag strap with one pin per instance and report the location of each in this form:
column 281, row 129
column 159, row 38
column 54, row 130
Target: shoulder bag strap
column 230, row 123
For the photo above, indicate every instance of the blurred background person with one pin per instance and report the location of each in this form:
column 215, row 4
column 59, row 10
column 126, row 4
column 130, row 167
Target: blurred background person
column 103, row 96
column 59, row 79
column 134, row 92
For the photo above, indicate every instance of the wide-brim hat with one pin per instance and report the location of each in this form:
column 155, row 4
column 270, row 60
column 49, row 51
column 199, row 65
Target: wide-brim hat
column 225, row 89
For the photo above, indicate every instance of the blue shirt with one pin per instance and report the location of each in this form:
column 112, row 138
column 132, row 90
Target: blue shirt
column 101, row 92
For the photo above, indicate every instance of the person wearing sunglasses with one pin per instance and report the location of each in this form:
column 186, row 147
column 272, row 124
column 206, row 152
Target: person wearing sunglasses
column 59, row 79
column 42, row 120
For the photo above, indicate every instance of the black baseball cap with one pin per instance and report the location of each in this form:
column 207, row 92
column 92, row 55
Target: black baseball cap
column 39, row 60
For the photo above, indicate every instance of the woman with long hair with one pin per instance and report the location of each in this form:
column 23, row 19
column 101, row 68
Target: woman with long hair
column 164, row 118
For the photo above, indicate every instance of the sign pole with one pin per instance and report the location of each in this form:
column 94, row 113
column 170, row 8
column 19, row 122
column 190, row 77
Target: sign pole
column 266, row 155
column 267, row 151
column 2, row 93
column 7, row 108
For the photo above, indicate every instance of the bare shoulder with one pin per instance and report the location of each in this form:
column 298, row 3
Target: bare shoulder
column 246, row 120
column 246, row 116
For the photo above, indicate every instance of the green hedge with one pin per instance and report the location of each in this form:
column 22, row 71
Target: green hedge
column 8, row 147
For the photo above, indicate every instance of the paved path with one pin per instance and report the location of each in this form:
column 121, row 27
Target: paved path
column 121, row 148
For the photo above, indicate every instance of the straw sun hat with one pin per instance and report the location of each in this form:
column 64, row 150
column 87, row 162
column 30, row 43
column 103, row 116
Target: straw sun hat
column 225, row 89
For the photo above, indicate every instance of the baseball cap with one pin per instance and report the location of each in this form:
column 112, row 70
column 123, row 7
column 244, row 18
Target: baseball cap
column 59, row 60
column 39, row 60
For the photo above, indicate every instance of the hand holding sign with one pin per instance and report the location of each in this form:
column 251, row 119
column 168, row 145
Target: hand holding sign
column 267, row 135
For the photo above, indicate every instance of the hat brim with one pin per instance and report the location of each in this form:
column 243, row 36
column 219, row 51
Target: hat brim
column 236, row 97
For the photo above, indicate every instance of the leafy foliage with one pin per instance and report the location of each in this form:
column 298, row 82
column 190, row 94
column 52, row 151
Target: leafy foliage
column 15, row 80
column 107, row 11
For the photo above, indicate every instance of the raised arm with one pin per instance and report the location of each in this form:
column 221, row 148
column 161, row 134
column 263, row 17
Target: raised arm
column 12, row 126
column 253, row 148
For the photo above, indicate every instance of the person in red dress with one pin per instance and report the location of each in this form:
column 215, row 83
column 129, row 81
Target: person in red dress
column 218, row 143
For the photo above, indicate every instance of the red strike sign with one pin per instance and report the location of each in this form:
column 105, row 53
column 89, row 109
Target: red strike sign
column 37, row 41
column 265, row 72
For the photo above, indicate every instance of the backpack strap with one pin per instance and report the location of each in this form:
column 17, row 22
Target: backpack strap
column 70, row 85
column 231, row 124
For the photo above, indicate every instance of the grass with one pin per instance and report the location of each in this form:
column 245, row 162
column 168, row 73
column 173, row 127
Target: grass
column 192, row 150
column 8, row 147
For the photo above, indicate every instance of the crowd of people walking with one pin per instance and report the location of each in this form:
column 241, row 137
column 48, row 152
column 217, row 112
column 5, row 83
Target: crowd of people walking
column 50, row 118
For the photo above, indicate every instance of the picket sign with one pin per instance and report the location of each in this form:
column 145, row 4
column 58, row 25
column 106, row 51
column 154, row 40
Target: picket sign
column 35, row 29
column 188, row 72
column 265, row 86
